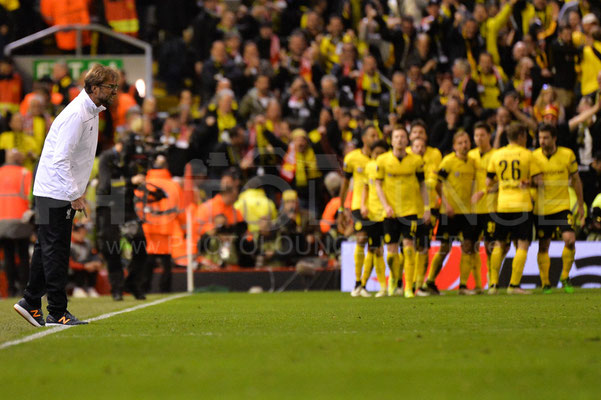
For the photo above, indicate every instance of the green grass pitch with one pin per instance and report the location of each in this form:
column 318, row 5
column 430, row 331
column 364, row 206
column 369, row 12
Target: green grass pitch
column 316, row 345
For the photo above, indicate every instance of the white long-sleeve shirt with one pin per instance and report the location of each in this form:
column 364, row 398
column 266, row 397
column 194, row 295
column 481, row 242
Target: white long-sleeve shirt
column 68, row 155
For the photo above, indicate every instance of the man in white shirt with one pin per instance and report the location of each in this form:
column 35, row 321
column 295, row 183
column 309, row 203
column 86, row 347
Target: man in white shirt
column 60, row 183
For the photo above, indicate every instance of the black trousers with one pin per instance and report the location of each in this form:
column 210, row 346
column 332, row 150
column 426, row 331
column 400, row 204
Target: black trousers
column 50, row 261
column 17, row 275
column 154, row 260
column 109, row 242
column 111, row 251
column 84, row 279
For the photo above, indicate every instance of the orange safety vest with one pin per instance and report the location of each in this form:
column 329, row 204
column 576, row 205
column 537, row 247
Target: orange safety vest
column 329, row 215
column 160, row 219
column 24, row 106
column 207, row 211
column 15, row 185
column 188, row 186
column 122, row 17
column 120, row 108
column 179, row 251
column 328, row 218
column 62, row 12
column 10, row 93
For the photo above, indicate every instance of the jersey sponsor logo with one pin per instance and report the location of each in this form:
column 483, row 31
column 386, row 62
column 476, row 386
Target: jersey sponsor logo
column 399, row 175
column 554, row 172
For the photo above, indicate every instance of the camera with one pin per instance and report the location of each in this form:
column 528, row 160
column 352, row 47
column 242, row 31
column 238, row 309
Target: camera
column 140, row 153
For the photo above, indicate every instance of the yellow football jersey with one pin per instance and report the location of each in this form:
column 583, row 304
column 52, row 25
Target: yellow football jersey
column 432, row 158
column 374, row 206
column 554, row 196
column 513, row 165
column 457, row 178
column 330, row 50
column 354, row 165
column 488, row 203
column 401, row 183
column 489, row 87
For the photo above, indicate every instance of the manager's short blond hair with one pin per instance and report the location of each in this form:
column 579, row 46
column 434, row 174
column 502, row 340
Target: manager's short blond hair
column 99, row 74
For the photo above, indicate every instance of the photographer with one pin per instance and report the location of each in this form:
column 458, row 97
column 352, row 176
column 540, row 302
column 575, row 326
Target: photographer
column 118, row 175
column 221, row 228
column 298, row 230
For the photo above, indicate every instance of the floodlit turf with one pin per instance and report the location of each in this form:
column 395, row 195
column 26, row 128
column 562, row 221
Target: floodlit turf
column 12, row 327
column 316, row 345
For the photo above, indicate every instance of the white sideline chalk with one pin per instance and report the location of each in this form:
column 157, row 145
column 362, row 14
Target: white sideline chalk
column 50, row 331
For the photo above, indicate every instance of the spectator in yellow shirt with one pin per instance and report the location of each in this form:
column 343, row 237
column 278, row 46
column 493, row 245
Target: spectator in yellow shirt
column 16, row 138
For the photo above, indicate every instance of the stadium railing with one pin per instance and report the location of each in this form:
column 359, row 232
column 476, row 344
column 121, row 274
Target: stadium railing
column 146, row 47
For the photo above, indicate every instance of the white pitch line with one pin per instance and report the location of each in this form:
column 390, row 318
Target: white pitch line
column 56, row 329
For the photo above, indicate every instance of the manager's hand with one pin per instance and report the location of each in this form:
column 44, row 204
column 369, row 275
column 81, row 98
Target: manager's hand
column 78, row 204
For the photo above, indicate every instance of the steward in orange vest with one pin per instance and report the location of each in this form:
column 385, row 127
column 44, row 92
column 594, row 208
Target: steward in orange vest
column 208, row 212
column 122, row 17
column 160, row 206
column 15, row 227
column 61, row 12
column 10, row 87
column 15, row 186
column 218, row 219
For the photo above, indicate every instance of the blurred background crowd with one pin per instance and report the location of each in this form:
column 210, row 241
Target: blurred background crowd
column 240, row 142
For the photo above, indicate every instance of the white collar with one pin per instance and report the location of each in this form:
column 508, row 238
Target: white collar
column 89, row 104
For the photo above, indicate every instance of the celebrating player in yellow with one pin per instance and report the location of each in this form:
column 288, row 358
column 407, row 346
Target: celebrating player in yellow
column 372, row 209
column 552, row 204
column 455, row 185
column 514, row 169
column 484, row 203
column 432, row 158
column 354, row 167
column 424, row 231
column 402, row 191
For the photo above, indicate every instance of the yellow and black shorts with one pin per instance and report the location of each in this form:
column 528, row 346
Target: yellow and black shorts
column 424, row 234
column 375, row 231
column 459, row 226
column 400, row 227
column 552, row 226
column 485, row 227
column 512, row 226
column 359, row 223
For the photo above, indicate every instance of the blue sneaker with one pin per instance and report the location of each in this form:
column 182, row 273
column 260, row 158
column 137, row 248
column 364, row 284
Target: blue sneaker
column 33, row 315
column 66, row 319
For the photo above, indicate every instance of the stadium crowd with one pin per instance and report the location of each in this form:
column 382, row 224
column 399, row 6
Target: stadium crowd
column 264, row 156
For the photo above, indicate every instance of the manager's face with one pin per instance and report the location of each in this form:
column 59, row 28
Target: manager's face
column 106, row 92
